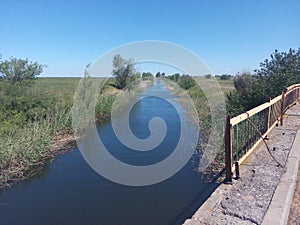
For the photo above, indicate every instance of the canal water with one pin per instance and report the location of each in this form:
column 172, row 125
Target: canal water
column 68, row 191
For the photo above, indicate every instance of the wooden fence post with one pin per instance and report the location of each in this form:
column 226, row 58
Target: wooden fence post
column 228, row 150
column 282, row 106
column 269, row 114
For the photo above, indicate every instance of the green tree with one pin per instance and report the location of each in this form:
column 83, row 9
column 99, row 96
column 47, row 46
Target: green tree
column 174, row 77
column 274, row 75
column 207, row 76
column 281, row 71
column 123, row 70
column 19, row 71
column 136, row 76
column 146, row 75
column 225, row 77
column 242, row 81
column 186, row 82
column 158, row 75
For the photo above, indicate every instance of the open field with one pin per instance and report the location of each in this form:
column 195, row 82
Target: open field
column 226, row 85
column 68, row 85
column 62, row 85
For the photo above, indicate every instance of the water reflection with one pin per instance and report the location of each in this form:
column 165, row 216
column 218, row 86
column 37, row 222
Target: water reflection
column 70, row 192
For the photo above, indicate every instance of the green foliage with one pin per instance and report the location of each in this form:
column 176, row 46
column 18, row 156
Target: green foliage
column 147, row 75
column 20, row 105
column 207, row 76
column 281, row 71
column 174, row 77
column 235, row 103
column 104, row 107
column 186, row 82
column 241, row 82
column 274, row 75
column 19, row 71
column 225, row 77
column 135, row 76
column 30, row 119
column 123, row 71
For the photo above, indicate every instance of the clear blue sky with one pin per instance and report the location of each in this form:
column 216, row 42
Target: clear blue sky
column 66, row 35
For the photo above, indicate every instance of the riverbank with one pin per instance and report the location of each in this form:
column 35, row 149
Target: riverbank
column 202, row 106
column 69, row 182
column 262, row 193
column 27, row 149
column 17, row 172
column 31, row 120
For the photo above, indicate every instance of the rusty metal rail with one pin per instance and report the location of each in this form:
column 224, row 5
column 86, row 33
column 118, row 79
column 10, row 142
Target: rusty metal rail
column 240, row 136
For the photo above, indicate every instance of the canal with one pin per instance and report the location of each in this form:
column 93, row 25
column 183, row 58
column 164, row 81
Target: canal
column 68, row 191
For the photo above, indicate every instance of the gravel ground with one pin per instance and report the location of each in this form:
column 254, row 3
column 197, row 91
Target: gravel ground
column 248, row 199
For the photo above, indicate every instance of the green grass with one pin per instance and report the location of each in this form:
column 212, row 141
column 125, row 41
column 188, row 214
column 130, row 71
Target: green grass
column 58, row 81
column 226, row 85
column 29, row 133
column 202, row 107
column 62, row 85
column 204, row 115
column 41, row 116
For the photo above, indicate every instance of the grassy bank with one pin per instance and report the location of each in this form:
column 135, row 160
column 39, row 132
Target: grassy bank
column 204, row 115
column 36, row 126
column 199, row 98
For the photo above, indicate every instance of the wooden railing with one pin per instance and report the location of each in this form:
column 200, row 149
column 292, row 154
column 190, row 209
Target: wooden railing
column 244, row 132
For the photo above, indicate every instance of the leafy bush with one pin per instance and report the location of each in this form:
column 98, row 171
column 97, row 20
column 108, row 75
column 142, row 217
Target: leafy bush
column 19, row 71
column 241, row 82
column 274, row 75
column 207, row 76
column 186, row 82
column 174, row 77
column 225, row 77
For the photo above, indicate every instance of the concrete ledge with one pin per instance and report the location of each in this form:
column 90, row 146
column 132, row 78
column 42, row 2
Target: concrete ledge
column 278, row 212
column 192, row 222
column 208, row 205
column 212, row 201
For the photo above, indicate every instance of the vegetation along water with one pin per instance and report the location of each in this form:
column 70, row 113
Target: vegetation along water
column 35, row 123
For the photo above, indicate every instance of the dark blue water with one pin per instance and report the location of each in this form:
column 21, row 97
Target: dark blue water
column 70, row 192
column 140, row 116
